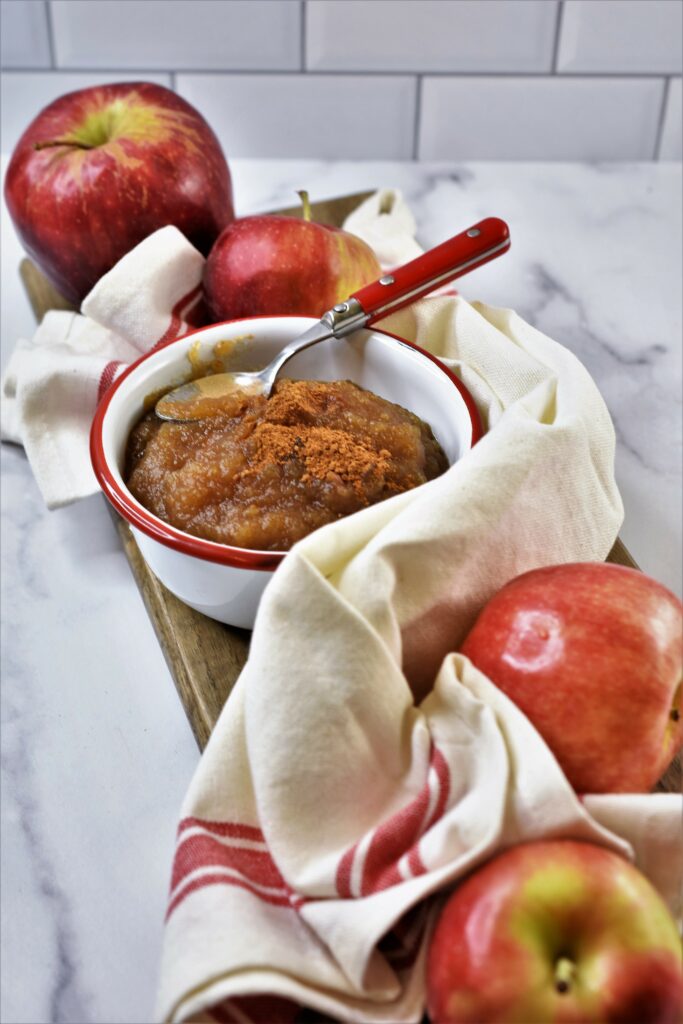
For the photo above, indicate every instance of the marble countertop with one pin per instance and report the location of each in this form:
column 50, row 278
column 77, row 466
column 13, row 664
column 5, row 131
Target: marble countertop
column 96, row 751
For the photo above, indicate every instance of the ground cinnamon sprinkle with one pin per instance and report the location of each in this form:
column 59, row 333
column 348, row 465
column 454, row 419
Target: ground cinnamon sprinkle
column 300, row 401
column 327, row 454
column 295, row 429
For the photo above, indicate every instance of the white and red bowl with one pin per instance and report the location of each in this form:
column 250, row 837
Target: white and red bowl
column 225, row 582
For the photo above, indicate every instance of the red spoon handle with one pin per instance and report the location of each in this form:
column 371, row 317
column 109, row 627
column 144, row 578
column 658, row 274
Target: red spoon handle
column 472, row 248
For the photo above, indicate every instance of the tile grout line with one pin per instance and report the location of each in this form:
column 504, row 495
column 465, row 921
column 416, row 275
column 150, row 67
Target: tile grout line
column 417, row 119
column 302, row 35
column 640, row 76
column 556, row 40
column 50, row 35
column 174, row 81
column 662, row 116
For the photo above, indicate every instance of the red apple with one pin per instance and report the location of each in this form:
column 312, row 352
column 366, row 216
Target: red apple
column 556, row 931
column 100, row 169
column 277, row 265
column 591, row 653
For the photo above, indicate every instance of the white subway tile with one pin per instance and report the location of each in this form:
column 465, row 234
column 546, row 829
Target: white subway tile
column 24, row 34
column 23, row 95
column 183, row 34
column 621, row 36
column 539, row 118
column 430, row 35
column 671, row 147
column 318, row 116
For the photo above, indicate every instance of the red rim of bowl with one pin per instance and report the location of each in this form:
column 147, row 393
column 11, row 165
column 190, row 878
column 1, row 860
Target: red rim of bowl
column 212, row 551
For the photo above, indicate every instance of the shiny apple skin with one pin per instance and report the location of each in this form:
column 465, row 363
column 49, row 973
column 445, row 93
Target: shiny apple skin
column 78, row 211
column 495, row 951
column 592, row 654
column 269, row 265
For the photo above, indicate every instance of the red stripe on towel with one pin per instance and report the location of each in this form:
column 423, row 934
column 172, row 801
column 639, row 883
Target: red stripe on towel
column 391, row 842
column 343, row 880
column 443, row 773
column 107, row 377
column 275, row 899
column 201, row 850
column 398, row 837
column 224, row 828
column 180, row 311
column 219, row 851
column 440, row 766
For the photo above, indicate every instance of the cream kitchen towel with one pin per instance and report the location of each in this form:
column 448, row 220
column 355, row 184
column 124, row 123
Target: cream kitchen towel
column 359, row 767
column 386, row 223
column 52, row 384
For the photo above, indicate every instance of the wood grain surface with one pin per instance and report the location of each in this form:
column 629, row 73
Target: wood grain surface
column 206, row 657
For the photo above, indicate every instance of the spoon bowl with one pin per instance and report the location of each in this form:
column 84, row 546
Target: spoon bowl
column 205, row 396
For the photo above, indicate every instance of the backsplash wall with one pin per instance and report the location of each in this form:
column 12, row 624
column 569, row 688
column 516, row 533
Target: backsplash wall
column 372, row 79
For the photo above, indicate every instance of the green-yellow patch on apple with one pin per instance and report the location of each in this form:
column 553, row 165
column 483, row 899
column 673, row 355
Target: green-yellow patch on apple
column 128, row 117
column 535, row 920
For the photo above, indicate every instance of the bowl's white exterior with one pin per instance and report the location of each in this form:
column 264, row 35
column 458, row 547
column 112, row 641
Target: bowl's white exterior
column 228, row 593
column 376, row 361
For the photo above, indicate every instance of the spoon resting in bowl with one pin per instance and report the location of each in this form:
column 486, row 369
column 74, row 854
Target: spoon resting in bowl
column 200, row 398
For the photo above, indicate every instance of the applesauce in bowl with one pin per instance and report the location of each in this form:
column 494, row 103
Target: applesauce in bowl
column 222, row 580
column 262, row 472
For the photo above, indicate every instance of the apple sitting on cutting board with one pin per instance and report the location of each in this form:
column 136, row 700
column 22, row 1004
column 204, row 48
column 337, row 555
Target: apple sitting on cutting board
column 592, row 654
column 272, row 265
column 556, row 931
column 100, row 169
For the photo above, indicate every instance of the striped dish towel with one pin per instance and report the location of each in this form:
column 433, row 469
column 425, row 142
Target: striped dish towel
column 284, row 921
column 359, row 767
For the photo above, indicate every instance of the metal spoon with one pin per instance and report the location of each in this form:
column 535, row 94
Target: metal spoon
column 473, row 247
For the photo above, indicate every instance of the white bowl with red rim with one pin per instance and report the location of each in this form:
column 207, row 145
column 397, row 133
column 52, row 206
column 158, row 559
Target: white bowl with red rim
column 226, row 582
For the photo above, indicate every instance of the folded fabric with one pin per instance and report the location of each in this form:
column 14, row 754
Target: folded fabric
column 386, row 223
column 52, row 385
column 359, row 767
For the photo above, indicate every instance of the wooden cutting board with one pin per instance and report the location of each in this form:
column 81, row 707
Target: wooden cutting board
column 205, row 657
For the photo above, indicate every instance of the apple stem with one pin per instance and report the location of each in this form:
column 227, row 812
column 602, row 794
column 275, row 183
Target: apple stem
column 305, row 202
column 61, row 142
column 564, row 974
